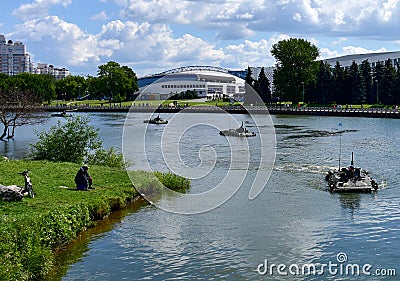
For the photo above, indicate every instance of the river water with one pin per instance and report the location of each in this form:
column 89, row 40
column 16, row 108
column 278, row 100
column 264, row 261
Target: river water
column 294, row 222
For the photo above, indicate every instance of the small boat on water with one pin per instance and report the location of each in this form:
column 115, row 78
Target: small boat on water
column 158, row 120
column 64, row 113
column 239, row 132
column 61, row 114
column 350, row 179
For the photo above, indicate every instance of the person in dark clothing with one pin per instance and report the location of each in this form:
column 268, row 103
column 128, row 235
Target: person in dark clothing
column 82, row 179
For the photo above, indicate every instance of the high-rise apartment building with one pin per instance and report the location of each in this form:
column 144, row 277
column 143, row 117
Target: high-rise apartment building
column 13, row 57
column 14, row 60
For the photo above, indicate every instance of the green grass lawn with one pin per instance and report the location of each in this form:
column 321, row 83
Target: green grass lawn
column 31, row 229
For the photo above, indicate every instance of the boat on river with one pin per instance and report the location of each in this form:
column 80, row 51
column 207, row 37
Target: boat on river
column 61, row 114
column 350, row 179
column 239, row 132
column 158, row 120
column 64, row 113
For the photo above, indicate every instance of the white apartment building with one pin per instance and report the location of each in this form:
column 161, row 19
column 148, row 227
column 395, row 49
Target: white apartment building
column 14, row 60
column 13, row 57
column 57, row 73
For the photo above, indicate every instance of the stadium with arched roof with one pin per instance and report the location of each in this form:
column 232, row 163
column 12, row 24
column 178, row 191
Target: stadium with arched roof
column 206, row 81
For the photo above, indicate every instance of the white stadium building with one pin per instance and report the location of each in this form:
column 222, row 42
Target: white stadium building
column 206, row 81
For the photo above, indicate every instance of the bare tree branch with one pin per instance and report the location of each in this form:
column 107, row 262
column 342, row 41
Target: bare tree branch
column 17, row 108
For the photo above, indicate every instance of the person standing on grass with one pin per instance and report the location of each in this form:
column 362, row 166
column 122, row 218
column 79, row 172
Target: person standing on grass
column 82, row 179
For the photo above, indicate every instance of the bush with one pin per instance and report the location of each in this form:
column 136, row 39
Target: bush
column 71, row 142
column 77, row 142
column 173, row 181
column 109, row 158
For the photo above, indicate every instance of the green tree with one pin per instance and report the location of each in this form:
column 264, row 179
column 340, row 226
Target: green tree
column 262, row 87
column 388, row 83
column 366, row 73
column 73, row 141
column 133, row 82
column 249, row 77
column 323, row 92
column 378, row 80
column 356, row 85
column 95, row 87
column 40, row 85
column 118, row 82
column 340, row 91
column 71, row 87
column 296, row 67
column 396, row 90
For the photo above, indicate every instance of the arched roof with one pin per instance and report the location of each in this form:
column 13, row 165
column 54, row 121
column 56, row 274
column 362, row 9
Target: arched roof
column 194, row 68
column 191, row 73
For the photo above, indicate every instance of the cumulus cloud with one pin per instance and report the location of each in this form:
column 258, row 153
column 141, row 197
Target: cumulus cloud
column 38, row 8
column 71, row 44
column 290, row 16
column 159, row 11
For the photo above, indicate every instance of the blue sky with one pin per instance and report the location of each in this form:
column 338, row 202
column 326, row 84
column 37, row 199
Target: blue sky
column 151, row 36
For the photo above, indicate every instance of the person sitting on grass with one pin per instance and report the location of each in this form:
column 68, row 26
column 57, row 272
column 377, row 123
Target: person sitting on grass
column 82, row 179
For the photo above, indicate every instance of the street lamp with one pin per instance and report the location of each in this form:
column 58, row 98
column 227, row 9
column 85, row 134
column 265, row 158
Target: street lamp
column 377, row 92
column 303, row 91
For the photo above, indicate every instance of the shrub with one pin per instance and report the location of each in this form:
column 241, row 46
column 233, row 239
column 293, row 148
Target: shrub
column 173, row 181
column 77, row 142
column 70, row 142
column 109, row 158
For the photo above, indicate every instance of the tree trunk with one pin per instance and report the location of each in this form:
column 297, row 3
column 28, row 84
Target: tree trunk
column 4, row 132
column 11, row 136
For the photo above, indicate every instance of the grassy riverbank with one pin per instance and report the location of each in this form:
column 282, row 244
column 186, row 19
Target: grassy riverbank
column 30, row 230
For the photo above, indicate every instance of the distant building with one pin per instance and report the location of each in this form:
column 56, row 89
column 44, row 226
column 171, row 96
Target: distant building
column 14, row 60
column 13, row 57
column 57, row 73
column 372, row 58
column 206, row 81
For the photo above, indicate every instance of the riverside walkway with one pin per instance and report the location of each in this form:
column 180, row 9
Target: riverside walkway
column 273, row 110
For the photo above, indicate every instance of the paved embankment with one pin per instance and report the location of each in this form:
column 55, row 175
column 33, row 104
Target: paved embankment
column 274, row 110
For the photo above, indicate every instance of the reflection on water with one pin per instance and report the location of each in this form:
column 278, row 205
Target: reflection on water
column 294, row 220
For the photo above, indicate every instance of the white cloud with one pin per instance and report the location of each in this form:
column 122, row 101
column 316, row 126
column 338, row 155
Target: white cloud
column 161, row 34
column 150, row 46
column 347, row 50
column 100, row 16
column 339, row 40
column 370, row 17
column 159, row 11
column 66, row 40
column 38, row 8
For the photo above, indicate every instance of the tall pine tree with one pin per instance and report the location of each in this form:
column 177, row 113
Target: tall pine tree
column 263, row 87
column 323, row 92
column 366, row 73
column 339, row 89
column 356, row 85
